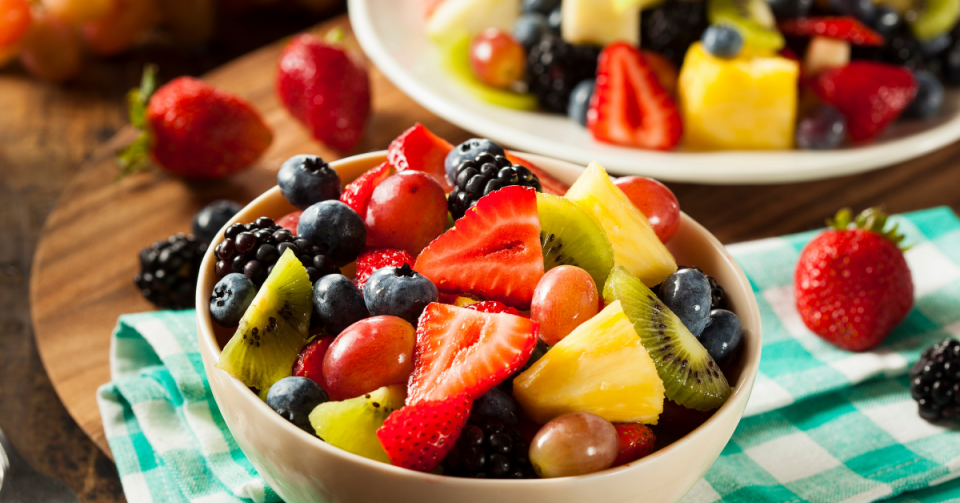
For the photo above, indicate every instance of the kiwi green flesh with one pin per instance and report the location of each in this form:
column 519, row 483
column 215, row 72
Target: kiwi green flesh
column 690, row 376
column 932, row 18
column 352, row 424
column 568, row 236
column 274, row 329
column 742, row 16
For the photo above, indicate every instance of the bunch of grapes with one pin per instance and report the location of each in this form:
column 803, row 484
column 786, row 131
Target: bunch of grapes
column 50, row 37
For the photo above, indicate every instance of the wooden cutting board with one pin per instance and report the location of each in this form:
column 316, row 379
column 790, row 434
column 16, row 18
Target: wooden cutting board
column 83, row 270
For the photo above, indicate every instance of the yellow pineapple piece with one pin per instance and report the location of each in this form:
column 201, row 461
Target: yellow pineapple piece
column 600, row 22
column 748, row 102
column 601, row 367
column 635, row 246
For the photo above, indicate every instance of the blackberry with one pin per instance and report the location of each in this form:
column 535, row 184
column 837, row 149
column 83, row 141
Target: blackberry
column 901, row 49
column 484, row 174
column 489, row 449
column 672, row 27
column 935, row 381
column 254, row 248
column 554, row 67
column 169, row 270
column 718, row 297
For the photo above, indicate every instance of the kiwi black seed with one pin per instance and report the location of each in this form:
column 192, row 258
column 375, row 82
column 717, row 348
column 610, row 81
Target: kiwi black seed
column 689, row 374
column 569, row 236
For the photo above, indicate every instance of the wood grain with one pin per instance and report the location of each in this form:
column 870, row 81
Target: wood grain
column 84, row 265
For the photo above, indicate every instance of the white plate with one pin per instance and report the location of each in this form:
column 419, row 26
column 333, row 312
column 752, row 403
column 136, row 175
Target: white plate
column 392, row 35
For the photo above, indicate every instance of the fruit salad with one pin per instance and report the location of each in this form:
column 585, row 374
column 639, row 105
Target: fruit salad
column 707, row 75
column 458, row 310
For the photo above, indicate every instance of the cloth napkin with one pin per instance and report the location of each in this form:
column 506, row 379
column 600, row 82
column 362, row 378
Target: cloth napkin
column 822, row 425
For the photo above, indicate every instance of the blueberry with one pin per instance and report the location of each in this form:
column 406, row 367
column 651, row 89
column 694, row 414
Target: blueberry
column 822, row 128
column 930, row 95
column 208, row 221
column 230, row 299
column 294, row 398
column 722, row 41
column 789, row 9
column 399, row 291
column 580, row 101
column 498, row 404
column 307, row 179
column 887, row 21
column 336, row 229
column 936, row 45
column 722, row 336
column 864, row 10
column 687, row 293
column 530, row 28
column 338, row 303
column 468, row 150
column 554, row 19
column 539, row 6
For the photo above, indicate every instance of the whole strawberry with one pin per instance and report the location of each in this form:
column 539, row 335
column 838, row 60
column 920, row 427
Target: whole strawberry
column 419, row 436
column 852, row 282
column 326, row 89
column 192, row 129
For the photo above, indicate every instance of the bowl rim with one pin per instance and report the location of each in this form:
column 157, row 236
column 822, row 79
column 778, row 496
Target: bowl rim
column 208, row 343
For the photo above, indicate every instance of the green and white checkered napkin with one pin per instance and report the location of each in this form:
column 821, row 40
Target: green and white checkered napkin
column 815, row 430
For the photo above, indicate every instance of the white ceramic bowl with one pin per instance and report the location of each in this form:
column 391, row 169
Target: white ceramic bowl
column 391, row 33
column 303, row 469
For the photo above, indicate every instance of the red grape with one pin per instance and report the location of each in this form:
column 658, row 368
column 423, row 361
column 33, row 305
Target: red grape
column 565, row 297
column 574, row 444
column 655, row 201
column 14, row 24
column 406, row 211
column 368, row 355
column 51, row 51
column 496, row 58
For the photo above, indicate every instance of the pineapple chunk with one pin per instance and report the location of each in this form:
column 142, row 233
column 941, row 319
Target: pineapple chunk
column 635, row 246
column 601, row 367
column 748, row 102
column 600, row 22
column 454, row 20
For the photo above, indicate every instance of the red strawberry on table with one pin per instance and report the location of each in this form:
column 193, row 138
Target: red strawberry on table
column 492, row 253
column 371, row 259
column 419, row 436
column 629, row 106
column 841, row 28
column 192, row 129
column 852, row 282
column 636, row 441
column 460, row 350
column 326, row 89
column 420, row 150
column 357, row 194
column 870, row 95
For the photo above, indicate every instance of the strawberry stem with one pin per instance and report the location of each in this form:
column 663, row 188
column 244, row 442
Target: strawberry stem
column 135, row 157
column 871, row 219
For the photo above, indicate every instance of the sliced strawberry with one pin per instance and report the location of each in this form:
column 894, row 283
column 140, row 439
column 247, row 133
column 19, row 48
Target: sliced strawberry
column 418, row 437
column 493, row 307
column 290, row 221
column 870, row 95
column 357, row 194
column 310, row 362
column 420, row 150
column 460, row 350
column 841, row 28
column 371, row 259
column 550, row 184
column 491, row 253
column 629, row 106
column 666, row 72
column 636, row 441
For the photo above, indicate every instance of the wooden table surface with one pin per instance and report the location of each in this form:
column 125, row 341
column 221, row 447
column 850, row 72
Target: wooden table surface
column 47, row 132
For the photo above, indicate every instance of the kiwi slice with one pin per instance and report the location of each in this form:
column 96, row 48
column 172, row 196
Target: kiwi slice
column 273, row 329
column 752, row 18
column 931, row 18
column 689, row 374
column 569, row 236
column 352, row 424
